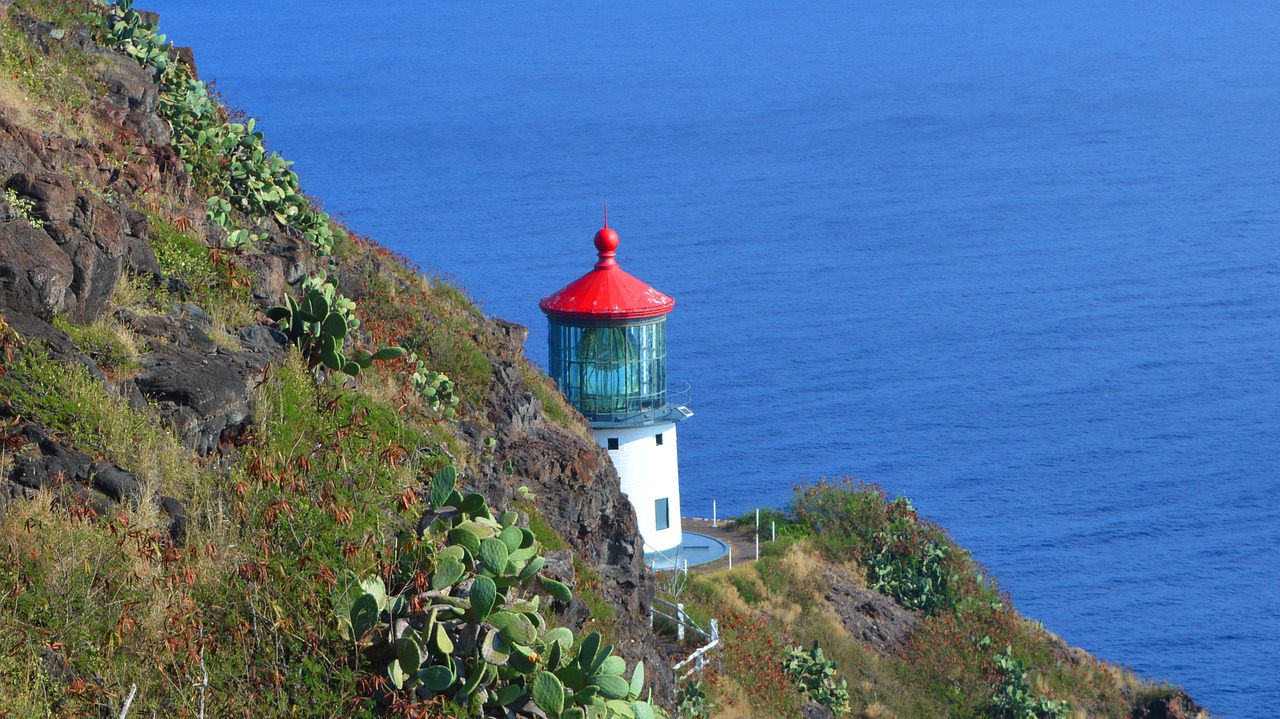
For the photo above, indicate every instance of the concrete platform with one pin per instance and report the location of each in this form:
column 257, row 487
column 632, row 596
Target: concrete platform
column 695, row 550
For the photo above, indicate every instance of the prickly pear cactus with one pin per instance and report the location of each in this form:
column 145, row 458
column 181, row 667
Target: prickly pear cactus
column 462, row 618
column 435, row 387
column 319, row 323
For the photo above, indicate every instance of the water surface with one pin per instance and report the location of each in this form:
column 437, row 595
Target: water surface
column 1018, row 263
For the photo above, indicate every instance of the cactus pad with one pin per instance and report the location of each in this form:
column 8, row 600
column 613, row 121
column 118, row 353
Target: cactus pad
column 493, row 555
column 447, row 573
column 483, row 595
column 548, row 694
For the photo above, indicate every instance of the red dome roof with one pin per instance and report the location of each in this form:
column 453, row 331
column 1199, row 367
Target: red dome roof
column 607, row 292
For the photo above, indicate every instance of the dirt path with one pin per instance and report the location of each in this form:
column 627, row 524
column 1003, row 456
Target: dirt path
column 743, row 545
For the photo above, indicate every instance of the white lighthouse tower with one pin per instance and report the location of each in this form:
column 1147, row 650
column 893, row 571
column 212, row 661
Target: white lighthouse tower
column 608, row 342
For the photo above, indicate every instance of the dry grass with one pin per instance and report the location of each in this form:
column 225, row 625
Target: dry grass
column 19, row 106
column 108, row 597
column 876, row 710
column 47, row 94
column 132, row 294
column 736, row 705
column 116, row 349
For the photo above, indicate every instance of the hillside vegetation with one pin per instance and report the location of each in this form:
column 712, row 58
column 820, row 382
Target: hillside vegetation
column 255, row 465
column 913, row 626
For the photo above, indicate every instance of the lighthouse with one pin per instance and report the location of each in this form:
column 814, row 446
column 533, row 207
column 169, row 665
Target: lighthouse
column 608, row 355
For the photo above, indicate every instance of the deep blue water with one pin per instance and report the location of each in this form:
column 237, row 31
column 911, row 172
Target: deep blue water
column 1020, row 264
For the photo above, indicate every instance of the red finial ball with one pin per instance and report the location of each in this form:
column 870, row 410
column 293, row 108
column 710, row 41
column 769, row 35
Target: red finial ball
column 606, row 240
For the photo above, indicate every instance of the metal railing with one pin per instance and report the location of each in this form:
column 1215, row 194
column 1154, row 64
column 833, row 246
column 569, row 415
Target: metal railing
column 698, row 659
column 678, row 393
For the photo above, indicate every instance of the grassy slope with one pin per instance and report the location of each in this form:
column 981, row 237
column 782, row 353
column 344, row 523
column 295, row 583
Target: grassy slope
column 329, row 474
column 236, row 622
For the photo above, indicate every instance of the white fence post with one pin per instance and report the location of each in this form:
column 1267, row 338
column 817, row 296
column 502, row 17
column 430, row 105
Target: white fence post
column 731, row 556
column 773, row 531
column 713, row 512
column 680, row 622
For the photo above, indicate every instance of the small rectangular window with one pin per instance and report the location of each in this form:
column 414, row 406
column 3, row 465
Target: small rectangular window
column 613, row 443
column 657, row 439
column 661, row 514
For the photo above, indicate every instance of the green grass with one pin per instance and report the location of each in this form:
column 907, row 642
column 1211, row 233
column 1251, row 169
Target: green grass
column 449, row 293
column 314, row 497
column 21, row 670
column 545, row 534
column 216, row 284
column 111, row 346
column 62, row 76
column 107, row 595
column 604, row 617
column 65, row 399
column 67, row 14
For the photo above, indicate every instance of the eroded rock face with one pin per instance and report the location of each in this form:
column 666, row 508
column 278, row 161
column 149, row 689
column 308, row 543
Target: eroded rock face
column 871, row 616
column 68, row 256
column 1177, row 705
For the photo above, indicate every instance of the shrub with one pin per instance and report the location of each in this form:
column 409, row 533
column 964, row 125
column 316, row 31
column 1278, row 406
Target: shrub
column 908, row 561
column 228, row 158
column 23, row 207
column 318, row 325
column 906, row 557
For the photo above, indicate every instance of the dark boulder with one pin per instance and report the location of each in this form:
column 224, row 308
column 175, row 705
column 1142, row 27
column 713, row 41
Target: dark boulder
column 53, row 463
column 35, row 275
column 134, row 95
column 814, row 710
column 173, row 331
column 205, row 398
column 263, row 340
column 177, row 514
column 114, row 482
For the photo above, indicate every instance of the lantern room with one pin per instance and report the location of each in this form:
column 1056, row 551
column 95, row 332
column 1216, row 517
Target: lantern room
column 608, row 355
column 608, row 342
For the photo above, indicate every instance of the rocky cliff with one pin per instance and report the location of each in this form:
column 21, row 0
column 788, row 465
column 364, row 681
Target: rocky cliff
column 109, row 262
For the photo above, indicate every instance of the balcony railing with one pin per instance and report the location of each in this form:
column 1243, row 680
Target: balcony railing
column 673, row 409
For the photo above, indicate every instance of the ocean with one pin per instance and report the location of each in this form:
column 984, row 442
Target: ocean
column 1018, row 263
